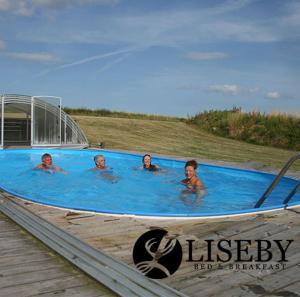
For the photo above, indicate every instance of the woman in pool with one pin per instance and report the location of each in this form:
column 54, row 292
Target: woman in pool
column 147, row 163
column 47, row 164
column 193, row 184
column 192, row 181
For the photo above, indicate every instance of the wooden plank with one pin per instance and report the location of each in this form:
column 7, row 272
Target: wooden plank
column 116, row 275
column 292, row 290
column 52, row 285
column 260, row 283
column 35, row 266
column 7, row 234
column 31, row 277
column 240, row 291
column 78, row 291
column 17, row 251
column 26, row 258
column 117, row 237
column 35, row 272
column 276, row 281
column 220, row 281
column 65, row 252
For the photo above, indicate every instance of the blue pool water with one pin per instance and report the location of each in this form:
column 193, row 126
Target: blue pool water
column 126, row 189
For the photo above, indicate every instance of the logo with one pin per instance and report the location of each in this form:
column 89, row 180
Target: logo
column 157, row 254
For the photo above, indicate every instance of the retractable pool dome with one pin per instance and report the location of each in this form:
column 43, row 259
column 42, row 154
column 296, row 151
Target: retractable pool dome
column 37, row 121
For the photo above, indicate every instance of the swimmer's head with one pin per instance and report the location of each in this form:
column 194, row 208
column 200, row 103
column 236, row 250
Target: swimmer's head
column 99, row 161
column 147, row 160
column 47, row 159
column 190, row 168
column 192, row 163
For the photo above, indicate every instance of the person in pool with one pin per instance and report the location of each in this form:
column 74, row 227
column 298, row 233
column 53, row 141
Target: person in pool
column 193, row 185
column 147, row 163
column 106, row 172
column 192, row 181
column 100, row 163
column 47, row 164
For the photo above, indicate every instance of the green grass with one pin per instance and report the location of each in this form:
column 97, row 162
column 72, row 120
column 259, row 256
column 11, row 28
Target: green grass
column 177, row 138
column 275, row 130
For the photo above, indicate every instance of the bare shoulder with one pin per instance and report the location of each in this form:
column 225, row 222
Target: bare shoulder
column 56, row 168
column 199, row 183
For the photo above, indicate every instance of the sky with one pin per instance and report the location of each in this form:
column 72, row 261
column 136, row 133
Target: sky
column 169, row 57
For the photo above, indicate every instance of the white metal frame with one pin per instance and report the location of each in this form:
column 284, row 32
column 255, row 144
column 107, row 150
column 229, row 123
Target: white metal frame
column 2, row 121
column 32, row 121
column 56, row 110
column 31, row 126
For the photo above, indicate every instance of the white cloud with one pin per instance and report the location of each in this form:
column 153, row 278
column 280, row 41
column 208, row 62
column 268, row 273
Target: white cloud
column 254, row 90
column 293, row 14
column 124, row 52
column 97, row 57
column 273, row 95
column 188, row 87
column 19, row 7
column 29, row 7
column 2, row 45
column 232, row 90
column 199, row 56
column 4, row 4
column 114, row 62
column 172, row 27
column 38, row 57
column 61, row 4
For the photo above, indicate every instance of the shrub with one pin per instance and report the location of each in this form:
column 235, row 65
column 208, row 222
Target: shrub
column 278, row 130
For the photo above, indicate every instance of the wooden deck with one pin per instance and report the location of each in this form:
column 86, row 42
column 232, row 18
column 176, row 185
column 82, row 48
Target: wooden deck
column 116, row 236
column 29, row 268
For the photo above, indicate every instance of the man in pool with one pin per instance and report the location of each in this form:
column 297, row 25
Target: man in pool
column 147, row 163
column 106, row 172
column 100, row 163
column 47, row 164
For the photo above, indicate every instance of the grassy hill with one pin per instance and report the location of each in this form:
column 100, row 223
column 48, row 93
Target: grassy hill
column 176, row 138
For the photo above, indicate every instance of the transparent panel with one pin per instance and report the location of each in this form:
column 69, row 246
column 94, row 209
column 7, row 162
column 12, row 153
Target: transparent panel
column 71, row 131
column 17, row 123
column 63, row 130
column 46, row 121
column 1, row 132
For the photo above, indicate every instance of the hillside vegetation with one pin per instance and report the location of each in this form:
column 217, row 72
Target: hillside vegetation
column 276, row 130
column 176, row 138
column 119, row 114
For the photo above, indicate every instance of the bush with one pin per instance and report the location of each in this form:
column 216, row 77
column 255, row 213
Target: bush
column 277, row 130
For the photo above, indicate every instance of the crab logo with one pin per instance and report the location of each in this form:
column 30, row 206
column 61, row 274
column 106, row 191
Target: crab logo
column 157, row 254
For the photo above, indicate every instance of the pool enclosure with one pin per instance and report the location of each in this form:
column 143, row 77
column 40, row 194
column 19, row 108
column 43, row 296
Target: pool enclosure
column 37, row 121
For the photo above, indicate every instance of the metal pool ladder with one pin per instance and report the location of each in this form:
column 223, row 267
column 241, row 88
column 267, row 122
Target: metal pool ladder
column 277, row 180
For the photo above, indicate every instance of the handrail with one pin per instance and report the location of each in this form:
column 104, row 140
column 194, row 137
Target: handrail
column 292, row 193
column 277, row 180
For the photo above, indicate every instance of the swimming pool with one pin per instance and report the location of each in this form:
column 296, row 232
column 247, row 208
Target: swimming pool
column 127, row 189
